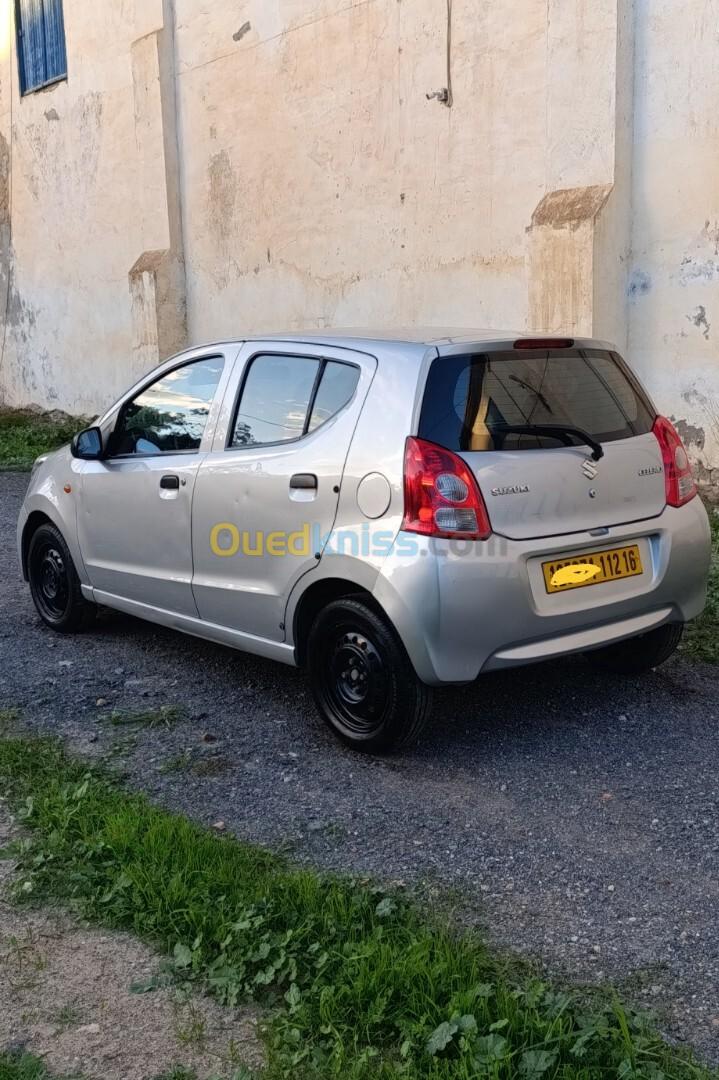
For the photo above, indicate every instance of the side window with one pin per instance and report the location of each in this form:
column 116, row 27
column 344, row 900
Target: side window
column 285, row 397
column 41, row 50
column 275, row 400
column 339, row 382
column 171, row 414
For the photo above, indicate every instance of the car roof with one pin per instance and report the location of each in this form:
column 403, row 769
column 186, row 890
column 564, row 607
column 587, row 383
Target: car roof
column 438, row 337
column 422, row 335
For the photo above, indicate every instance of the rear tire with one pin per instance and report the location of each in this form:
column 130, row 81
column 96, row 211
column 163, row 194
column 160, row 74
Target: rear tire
column 638, row 654
column 54, row 584
column 362, row 680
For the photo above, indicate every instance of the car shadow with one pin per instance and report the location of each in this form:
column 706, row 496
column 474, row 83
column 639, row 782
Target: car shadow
column 529, row 710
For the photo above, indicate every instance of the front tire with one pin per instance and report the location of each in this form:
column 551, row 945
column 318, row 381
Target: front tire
column 362, row 680
column 639, row 654
column 54, row 584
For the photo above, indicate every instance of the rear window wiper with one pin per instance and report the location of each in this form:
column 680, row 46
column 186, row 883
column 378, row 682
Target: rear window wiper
column 562, row 432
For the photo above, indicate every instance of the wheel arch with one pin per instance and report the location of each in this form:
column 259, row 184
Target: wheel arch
column 35, row 519
column 317, row 596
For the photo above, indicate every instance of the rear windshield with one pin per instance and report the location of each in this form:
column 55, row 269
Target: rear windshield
column 473, row 402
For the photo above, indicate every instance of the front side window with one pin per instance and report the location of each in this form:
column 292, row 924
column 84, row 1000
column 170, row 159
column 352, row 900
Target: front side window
column 169, row 416
column 42, row 57
column 503, row 400
column 285, row 397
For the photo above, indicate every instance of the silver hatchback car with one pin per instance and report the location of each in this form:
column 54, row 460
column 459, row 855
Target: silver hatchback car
column 395, row 513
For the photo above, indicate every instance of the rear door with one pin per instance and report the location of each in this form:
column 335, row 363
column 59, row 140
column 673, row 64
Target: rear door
column 266, row 497
column 537, row 484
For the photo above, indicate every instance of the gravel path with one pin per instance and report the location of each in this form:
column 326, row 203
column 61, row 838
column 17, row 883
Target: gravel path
column 577, row 815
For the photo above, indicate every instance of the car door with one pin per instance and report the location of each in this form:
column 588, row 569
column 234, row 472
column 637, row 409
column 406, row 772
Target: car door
column 266, row 497
column 134, row 513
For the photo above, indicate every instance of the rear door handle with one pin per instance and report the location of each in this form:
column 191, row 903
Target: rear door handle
column 303, row 482
column 170, row 483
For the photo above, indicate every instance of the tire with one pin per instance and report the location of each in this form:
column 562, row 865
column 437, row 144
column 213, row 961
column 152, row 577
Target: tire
column 362, row 680
column 638, row 654
column 54, row 584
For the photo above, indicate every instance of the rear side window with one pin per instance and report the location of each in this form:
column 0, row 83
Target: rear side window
column 339, row 382
column 285, row 397
column 474, row 402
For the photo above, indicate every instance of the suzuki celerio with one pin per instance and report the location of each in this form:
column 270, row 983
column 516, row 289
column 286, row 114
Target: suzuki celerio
column 392, row 512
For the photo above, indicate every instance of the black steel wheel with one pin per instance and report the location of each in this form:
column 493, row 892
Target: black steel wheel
column 54, row 584
column 363, row 682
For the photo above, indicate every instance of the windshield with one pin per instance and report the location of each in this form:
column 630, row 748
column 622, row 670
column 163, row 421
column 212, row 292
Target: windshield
column 472, row 402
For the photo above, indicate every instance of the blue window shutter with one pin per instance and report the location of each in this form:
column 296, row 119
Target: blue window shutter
column 41, row 42
column 55, row 56
column 31, row 27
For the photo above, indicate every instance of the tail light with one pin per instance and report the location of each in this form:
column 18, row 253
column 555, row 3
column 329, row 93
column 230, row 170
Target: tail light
column 441, row 496
column 680, row 486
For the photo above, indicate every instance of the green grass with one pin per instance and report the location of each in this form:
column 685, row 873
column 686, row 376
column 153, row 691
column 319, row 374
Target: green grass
column 179, row 1073
column 27, row 1067
column 702, row 636
column 24, row 436
column 163, row 717
column 360, row 984
column 24, row 1067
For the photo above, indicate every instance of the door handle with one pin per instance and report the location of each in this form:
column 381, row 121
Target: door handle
column 170, row 483
column 304, row 482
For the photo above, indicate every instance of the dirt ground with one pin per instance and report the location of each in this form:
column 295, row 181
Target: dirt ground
column 65, row 997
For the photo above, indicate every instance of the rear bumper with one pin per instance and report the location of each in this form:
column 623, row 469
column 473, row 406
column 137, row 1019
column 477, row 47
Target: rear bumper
column 464, row 608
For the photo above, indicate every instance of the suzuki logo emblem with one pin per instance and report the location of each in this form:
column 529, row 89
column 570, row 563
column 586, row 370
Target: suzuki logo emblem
column 589, row 469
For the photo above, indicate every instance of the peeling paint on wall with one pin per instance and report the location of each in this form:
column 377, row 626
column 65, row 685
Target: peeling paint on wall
column 701, row 264
column 222, row 191
column 4, row 181
column 64, row 157
column 221, row 201
column 708, row 404
column 19, row 317
column 711, row 234
column 699, row 318
column 571, row 206
column 698, row 271
column 692, row 435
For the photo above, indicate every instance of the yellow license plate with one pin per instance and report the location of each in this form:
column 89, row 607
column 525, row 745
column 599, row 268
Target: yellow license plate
column 595, row 569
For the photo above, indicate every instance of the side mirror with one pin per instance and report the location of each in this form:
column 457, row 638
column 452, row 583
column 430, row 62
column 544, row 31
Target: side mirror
column 87, row 445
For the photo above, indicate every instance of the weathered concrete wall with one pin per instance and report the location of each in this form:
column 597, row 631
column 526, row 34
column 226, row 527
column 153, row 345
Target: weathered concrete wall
column 321, row 186
column 673, row 289
column 579, row 236
column 89, row 196
column 214, row 168
column 73, row 172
